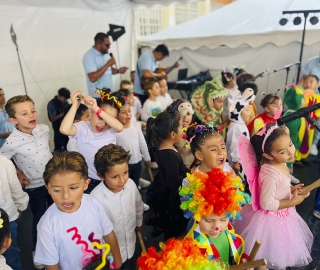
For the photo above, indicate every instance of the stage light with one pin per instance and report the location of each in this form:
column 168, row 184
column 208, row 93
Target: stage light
column 314, row 20
column 283, row 21
column 297, row 20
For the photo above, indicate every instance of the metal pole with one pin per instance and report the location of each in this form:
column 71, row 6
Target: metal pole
column 302, row 44
column 118, row 59
column 24, row 83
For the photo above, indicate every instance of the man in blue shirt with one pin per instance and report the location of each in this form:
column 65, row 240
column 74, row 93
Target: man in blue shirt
column 146, row 67
column 5, row 126
column 98, row 64
column 56, row 112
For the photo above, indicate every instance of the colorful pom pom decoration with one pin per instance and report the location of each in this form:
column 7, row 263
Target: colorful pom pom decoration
column 216, row 192
column 178, row 255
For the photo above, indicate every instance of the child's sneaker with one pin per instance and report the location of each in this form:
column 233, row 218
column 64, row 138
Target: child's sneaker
column 294, row 180
column 145, row 207
column 144, row 183
column 316, row 214
column 154, row 165
column 314, row 150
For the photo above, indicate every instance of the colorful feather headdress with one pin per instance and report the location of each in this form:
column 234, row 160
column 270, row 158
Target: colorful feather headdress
column 216, row 192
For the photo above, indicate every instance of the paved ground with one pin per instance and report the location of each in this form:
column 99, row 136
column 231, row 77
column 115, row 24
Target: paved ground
column 307, row 174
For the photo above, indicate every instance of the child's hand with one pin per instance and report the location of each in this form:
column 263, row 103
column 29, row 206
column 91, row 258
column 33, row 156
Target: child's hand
column 236, row 167
column 143, row 125
column 148, row 163
column 296, row 187
column 22, row 178
column 91, row 103
column 243, row 260
column 297, row 199
column 74, row 97
column 180, row 149
column 139, row 229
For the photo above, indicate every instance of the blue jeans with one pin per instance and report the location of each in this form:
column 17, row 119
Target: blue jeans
column 135, row 171
column 93, row 183
column 38, row 198
column 12, row 254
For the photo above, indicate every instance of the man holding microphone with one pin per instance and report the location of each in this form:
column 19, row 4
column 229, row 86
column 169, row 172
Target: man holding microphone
column 98, row 65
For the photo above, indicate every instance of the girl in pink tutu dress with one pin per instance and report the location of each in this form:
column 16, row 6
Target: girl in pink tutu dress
column 272, row 217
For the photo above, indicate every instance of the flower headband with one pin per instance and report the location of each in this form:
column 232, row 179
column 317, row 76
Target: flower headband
column 216, row 192
column 105, row 94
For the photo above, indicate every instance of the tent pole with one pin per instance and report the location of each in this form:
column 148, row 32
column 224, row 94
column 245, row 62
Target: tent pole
column 305, row 14
column 24, row 83
column 119, row 65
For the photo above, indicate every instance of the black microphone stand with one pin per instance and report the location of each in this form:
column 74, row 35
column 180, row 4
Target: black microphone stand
column 287, row 68
column 312, row 122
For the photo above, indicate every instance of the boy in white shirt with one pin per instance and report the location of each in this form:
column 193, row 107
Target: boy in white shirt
column 151, row 107
column 120, row 198
column 101, row 129
column 28, row 146
column 165, row 97
column 75, row 221
column 82, row 114
column 13, row 200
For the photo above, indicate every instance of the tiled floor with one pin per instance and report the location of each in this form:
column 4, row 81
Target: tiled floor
column 307, row 174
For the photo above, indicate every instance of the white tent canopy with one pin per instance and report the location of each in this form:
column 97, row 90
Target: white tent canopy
column 243, row 32
column 242, row 22
column 53, row 36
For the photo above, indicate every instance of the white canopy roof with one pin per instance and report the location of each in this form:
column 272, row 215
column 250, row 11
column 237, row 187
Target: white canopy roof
column 242, row 22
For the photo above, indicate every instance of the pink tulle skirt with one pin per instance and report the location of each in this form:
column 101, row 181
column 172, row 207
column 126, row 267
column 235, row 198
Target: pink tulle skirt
column 286, row 238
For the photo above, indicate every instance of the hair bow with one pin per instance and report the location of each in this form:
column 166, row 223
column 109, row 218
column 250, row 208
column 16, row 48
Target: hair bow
column 199, row 128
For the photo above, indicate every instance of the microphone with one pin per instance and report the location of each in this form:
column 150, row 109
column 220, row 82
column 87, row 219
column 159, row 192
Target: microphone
column 288, row 66
column 303, row 112
column 262, row 73
column 111, row 55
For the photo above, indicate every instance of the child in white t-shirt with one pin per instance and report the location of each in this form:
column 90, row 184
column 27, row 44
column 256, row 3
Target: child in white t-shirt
column 70, row 226
column 100, row 131
column 5, row 238
column 151, row 107
column 164, row 97
column 120, row 198
column 135, row 103
column 82, row 114
column 136, row 145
